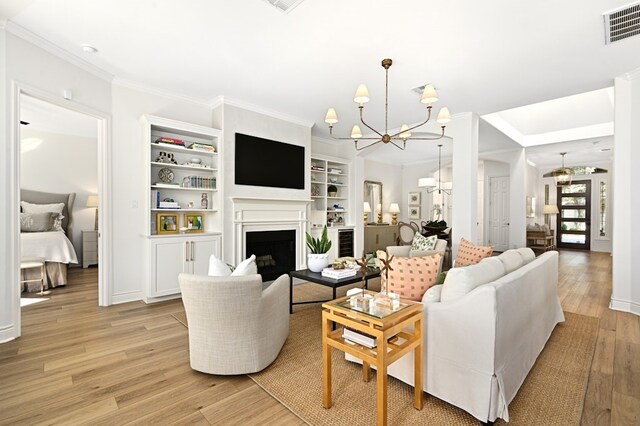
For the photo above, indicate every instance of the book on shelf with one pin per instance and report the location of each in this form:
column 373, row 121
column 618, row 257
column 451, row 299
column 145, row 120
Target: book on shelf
column 168, row 205
column 169, row 141
column 338, row 273
column 202, row 147
column 166, row 185
column 155, row 198
column 358, row 337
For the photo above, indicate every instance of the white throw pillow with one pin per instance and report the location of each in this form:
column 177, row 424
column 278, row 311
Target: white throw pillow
column 463, row 280
column 433, row 294
column 246, row 267
column 217, row 268
column 511, row 259
column 527, row 254
column 41, row 208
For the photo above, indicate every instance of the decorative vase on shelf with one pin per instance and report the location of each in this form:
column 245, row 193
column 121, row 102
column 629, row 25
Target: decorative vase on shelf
column 318, row 257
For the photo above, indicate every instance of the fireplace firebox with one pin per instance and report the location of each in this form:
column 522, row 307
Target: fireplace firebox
column 275, row 252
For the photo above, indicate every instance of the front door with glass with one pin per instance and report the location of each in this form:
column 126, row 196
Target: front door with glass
column 574, row 220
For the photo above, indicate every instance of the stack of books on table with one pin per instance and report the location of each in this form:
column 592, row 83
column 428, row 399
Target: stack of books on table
column 358, row 337
column 338, row 274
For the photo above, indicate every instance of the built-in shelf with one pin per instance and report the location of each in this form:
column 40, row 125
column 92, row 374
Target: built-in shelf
column 337, row 174
column 179, row 188
column 337, row 198
column 190, row 234
column 183, row 210
column 184, row 167
column 178, row 148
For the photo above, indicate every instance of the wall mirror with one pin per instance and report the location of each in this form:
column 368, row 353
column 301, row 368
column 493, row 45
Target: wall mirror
column 373, row 196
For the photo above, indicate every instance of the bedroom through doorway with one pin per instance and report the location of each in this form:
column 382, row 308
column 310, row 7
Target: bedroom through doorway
column 59, row 199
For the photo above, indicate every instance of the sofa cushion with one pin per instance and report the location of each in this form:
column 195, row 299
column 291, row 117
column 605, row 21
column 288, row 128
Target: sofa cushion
column 411, row 277
column 460, row 281
column 422, row 243
column 511, row 259
column 527, row 254
column 217, row 268
column 433, row 294
column 246, row 267
column 470, row 254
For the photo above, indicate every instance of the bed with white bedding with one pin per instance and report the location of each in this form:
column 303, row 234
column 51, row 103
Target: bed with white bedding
column 51, row 245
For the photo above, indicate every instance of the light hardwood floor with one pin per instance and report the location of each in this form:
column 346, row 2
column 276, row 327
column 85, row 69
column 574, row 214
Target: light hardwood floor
column 78, row 363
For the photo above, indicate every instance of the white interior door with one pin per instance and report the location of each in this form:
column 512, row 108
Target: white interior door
column 499, row 213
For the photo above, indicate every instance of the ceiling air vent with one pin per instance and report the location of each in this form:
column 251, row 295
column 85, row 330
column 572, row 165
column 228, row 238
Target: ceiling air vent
column 284, row 6
column 622, row 23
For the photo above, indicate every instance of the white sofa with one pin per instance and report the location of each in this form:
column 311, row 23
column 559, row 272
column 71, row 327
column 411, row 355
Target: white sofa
column 480, row 346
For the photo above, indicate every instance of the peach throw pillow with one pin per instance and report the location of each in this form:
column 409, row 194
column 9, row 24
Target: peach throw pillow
column 411, row 277
column 470, row 254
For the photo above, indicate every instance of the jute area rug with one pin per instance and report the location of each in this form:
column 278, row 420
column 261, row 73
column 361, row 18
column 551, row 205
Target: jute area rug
column 552, row 394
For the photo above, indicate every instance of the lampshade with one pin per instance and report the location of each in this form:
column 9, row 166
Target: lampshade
column 362, row 95
column 356, row 133
column 367, row 207
column 444, row 116
column 92, row 201
column 331, row 117
column 404, row 134
column 550, row 209
column 427, row 183
column 394, row 208
column 429, row 95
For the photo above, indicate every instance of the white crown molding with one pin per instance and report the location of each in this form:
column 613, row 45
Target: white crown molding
column 134, row 85
column 327, row 141
column 632, row 75
column 54, row 49
column 224, row 100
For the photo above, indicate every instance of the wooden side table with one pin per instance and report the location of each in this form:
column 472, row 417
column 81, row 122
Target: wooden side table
column 394, row 340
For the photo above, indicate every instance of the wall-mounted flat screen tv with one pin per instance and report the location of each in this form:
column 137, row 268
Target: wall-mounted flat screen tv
column 263, row 162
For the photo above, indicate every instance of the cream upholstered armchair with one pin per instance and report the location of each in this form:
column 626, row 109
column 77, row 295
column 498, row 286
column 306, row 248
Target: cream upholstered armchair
column 234, row 326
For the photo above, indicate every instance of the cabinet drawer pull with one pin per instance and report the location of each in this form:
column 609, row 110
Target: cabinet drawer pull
column 193, row 250
column 186, row 251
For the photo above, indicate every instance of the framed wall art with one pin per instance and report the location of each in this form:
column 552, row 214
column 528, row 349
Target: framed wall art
column 414, row 212
column 414, row 199
column 167, row 223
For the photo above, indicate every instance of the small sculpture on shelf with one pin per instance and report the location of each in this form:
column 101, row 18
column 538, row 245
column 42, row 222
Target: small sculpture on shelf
column 204, row 202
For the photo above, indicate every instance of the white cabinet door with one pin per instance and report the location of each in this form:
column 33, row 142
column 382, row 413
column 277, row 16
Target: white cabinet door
column 200, row 251
column 169, row 260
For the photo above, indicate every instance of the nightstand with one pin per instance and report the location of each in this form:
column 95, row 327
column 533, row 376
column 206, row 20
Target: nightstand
column 89, row 248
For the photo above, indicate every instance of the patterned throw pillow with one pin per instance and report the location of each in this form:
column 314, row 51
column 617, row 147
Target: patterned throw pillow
column 37, row 222
column 411, row 277
column 423, row 243
column 470, row 254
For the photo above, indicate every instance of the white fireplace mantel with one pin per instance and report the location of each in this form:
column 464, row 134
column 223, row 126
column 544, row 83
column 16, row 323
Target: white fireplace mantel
column 252, row 214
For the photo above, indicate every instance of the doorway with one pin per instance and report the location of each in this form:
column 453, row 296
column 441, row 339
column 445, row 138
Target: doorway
column 574, row 220
column 499, row 213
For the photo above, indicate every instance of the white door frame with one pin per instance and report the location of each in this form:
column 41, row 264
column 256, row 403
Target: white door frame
column 104, row 189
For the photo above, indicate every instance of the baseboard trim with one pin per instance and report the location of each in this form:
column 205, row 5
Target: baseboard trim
column 132, row 296
column 625, row 306
column 7, row 333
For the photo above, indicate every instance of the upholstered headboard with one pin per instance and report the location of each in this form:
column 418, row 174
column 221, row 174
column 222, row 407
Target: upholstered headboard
column 37, row 197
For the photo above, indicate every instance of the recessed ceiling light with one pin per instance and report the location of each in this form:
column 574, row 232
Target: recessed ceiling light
column 605, row 149
column 87, row 48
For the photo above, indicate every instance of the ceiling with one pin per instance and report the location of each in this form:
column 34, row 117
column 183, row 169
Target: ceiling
column 46, row 117
column 481, row 56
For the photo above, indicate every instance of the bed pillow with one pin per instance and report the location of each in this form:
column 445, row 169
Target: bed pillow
column 40, row 208
column 470, row 254
column 38, row 222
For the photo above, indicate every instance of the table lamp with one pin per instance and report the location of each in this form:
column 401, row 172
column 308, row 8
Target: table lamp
column 379, row 211
column 549, row 209
column 367, row 210
column 92, row 201
column 394, row 209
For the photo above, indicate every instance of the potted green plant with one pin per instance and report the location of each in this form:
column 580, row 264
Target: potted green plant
column 332, row 190
column 318, row 257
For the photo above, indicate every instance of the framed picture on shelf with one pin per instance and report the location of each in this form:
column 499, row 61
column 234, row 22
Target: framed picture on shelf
column 414, row 199
column 167, row 223
column 414, row 212
column 194, row 222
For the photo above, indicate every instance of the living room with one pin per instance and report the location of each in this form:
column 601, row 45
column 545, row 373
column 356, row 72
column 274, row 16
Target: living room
column 227, row 92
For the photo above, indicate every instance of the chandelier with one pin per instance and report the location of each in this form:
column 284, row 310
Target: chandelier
column 563, row 175
column 430, row 183
column 397, row 139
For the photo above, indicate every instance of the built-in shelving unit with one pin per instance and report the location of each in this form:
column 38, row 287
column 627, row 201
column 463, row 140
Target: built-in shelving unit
column 183, row 175
column 329, row 174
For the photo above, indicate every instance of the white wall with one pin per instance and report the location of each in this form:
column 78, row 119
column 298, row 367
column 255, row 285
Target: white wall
column 391, row 178
column 240, row 120
column 130, row 272
column 30, row 65
column 62, row 164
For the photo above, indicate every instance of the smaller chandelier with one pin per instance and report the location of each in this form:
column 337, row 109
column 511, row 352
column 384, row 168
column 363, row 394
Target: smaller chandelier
column 400, row 138
column 563, row 175
column 430, row 183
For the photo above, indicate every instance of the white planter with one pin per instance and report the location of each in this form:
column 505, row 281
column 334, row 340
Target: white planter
column 317, row 262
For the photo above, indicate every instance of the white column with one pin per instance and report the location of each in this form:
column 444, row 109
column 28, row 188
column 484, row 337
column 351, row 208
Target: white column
column 626, row 197
column 464, row 130
column 518, row 200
